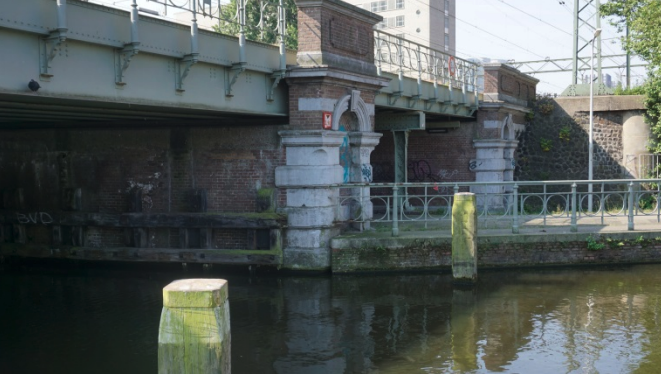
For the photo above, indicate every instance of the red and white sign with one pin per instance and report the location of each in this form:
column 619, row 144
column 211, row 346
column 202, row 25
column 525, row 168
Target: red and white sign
column 452, row 66
column 327, row 121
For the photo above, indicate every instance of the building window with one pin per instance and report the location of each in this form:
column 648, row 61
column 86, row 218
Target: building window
column 447, row 41
column 399, row 21
column 379, row 6
column 399, row 4
column 447, row 5
column 447, row 22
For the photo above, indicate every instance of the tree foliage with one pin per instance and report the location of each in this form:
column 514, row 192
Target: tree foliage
column 643, row 17
column 261, row 21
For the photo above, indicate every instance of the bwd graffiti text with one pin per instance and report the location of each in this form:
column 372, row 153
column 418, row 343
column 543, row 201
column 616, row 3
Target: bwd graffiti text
column 36, row 218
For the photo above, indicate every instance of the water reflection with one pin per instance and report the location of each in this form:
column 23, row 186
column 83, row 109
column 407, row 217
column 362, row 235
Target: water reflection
column 584, row 321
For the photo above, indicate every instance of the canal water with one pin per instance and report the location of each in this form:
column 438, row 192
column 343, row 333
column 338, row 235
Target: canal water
column 580, row 320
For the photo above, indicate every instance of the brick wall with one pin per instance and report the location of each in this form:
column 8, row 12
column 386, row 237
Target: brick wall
column 336, row 27
column 321, row 88
column 431, row 157
column 508, row 83
column 164, row 164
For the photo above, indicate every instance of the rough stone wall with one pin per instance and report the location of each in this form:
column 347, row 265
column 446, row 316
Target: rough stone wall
column 518, row 251
column 554, row 145
column 165, row 165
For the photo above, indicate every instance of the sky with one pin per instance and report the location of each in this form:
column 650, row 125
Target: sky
column 529, row 30
column 520, row 30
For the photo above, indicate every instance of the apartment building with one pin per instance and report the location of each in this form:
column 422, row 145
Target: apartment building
column 427, row 22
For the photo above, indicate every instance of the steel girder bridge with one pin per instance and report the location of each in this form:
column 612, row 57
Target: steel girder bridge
column 96, row 63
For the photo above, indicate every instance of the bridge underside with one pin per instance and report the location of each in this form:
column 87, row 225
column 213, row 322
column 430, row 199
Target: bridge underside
column 31, row 111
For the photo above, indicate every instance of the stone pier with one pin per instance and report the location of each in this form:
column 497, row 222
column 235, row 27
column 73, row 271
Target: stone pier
column 331, row 106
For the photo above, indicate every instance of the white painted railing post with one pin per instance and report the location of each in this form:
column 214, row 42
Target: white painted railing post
column 658, row 200
column 515, row 208
column 574, row 224
column 630, row 215
column 395, row 210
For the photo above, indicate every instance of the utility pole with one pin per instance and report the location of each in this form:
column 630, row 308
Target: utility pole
column 587, row 18
column 628, row 61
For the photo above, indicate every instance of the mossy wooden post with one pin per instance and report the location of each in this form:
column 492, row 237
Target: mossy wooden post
column 194, row 335
column 464, row 238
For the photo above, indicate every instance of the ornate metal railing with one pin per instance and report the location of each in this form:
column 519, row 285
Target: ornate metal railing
column 501, row 205
column 397, row 55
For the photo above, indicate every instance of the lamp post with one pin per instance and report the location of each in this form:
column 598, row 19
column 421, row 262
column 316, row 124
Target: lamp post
column 597, row 32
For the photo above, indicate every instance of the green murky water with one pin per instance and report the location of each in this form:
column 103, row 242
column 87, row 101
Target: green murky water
column 603, row 320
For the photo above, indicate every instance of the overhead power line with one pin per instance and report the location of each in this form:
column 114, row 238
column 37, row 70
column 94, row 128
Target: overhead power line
column 535, row 17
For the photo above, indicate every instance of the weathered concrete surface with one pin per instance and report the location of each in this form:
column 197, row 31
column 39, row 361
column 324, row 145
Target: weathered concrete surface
column 602, row 103
column 636, row 134
column 194, row 334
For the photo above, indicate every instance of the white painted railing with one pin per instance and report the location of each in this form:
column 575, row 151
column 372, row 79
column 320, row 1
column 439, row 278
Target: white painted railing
column 548, row 202
column 397, row 55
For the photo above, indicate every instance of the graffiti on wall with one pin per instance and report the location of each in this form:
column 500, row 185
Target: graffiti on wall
column 345, row 157
column 366, row 170
column 36, row 218
column 421, row 171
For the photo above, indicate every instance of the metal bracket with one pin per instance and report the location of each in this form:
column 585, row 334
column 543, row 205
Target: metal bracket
column 231, row 75
column 459, row 106
column 393, row 97
column 413, row 100
column 462, row 99
column 180, row 76
column 429, row 104
column 277, row 77
column 123, row 59
column 49, row 46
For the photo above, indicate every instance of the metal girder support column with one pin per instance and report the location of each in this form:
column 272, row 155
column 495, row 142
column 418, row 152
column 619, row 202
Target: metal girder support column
column 401, row 155
column 401, row 125
column 123, row 56
column 183, row 66
column 401, row 139
column 231, row 74
column 277, row 76
column 50, row 45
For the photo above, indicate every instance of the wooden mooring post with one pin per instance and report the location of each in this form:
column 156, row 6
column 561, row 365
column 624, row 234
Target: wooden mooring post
column 464, row 238
column 194, row 334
